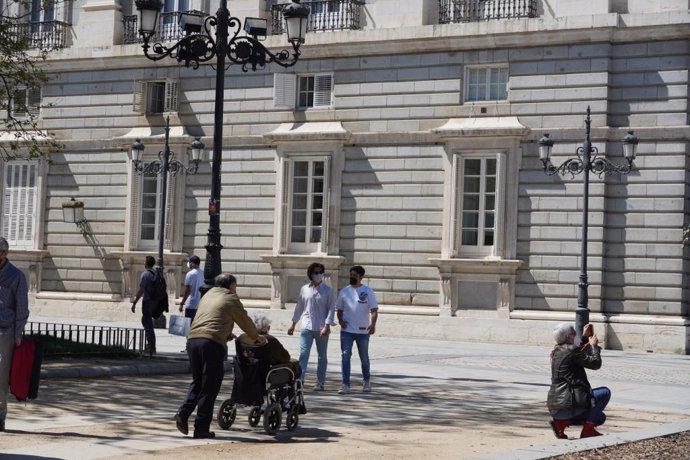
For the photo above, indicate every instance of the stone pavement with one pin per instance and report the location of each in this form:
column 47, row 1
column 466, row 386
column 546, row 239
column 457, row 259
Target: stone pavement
column 520, row 375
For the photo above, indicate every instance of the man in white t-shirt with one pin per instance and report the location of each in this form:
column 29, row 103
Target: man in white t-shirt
column 355, row 305
column 192, row 282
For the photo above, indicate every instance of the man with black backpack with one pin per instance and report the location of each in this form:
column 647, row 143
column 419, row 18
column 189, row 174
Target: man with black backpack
column 153, row 289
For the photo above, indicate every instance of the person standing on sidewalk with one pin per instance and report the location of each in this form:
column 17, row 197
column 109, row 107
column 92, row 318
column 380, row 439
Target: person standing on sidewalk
column 146, row 283
column 14, row 313
column 207, row 345
column 571, row 399
column 355, row 304
column 316, row 308
column 193, row 280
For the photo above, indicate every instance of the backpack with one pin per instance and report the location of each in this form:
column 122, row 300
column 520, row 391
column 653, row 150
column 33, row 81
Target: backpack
column 158, row 293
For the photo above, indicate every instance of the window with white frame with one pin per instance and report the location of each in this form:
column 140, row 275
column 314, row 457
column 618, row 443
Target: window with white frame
column 151, row 201
column 308, row 192
column 20, row 195
column 155, row 97
column 25, row 103
column 488, row 83
column 479, row 201
column 303, row 91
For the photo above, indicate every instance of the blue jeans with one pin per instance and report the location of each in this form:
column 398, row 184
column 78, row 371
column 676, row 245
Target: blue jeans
column 306, row 339
column 346, row 341
column 595, row 415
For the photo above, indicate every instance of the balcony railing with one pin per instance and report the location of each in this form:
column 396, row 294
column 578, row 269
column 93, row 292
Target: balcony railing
column 453, row 11
column 324, row 16
column 41, row 35
column 168, row 29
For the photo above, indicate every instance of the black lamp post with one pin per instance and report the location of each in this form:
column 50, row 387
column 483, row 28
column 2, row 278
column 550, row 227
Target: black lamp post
column 165, row 164
column 199, row 46
column 586, row 161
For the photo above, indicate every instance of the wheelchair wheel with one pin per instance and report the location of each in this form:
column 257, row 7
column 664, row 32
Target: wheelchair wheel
column 272, row 419
column 254, row 416
column 226, row 414
column 292, row 418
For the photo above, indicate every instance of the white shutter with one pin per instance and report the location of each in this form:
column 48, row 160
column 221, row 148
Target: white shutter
column 19, row 207
column 326, row 207
column 287, row 211
column 171, row 89
column 323, row 90
column 139, row 105
column 170, row 211
column 284, row 90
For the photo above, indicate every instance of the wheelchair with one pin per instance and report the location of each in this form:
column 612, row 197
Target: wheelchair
column 269, row 391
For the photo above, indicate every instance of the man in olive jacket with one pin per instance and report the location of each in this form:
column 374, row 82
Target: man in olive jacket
column 207, row 346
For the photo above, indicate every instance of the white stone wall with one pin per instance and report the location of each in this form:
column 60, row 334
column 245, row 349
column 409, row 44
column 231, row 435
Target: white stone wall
column 392, row 87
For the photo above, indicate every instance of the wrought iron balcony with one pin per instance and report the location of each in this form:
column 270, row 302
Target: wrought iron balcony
column 168, row 27
column 324, row 16
column 41, row 35
column 454, row 11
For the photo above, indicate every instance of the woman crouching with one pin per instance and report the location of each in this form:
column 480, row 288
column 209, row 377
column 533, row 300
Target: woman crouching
column 571, row 399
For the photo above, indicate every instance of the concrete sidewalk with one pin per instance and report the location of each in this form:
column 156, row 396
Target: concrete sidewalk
column 639, row 382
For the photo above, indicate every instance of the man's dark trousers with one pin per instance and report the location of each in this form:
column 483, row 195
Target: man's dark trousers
column 206, row 361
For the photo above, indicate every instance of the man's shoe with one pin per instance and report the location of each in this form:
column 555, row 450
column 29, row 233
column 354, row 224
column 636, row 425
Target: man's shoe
column 344, row 389
column 318, row 386
column 2, row 425
column 366, row 386
column 181, row 422
column 204, row 435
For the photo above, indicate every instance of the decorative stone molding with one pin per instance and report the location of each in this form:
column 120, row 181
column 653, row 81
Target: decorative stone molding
column 502, row 272
column 285, row 265
column 31, row 263
column 132, row 264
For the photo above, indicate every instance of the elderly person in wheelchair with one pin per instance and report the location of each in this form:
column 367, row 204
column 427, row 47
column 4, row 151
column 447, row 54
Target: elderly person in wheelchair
column 274, row 350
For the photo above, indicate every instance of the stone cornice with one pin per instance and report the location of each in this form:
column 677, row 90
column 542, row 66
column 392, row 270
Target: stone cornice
column 484, row 35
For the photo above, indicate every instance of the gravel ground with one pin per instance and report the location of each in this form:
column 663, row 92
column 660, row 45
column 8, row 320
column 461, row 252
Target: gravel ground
column 673, row 447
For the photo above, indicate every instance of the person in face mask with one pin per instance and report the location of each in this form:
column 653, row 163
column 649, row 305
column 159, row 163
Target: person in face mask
column 316, row 308
column 192, row 282
column 355, row 304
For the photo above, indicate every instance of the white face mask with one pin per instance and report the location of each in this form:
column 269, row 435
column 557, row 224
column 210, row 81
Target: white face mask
column 189, row 265
column 317, row 278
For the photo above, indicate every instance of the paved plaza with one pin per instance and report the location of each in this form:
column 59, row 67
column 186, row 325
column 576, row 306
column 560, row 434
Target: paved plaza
column 436, row 398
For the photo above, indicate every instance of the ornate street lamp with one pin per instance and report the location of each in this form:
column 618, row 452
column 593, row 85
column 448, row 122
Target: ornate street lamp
column 201, row 44
column 587, row 160
column 164, row 165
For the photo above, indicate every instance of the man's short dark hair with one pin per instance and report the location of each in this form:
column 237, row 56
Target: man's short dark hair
column 150, row 262
column 224, row 280
column 358, row 269
column 314, row 266
column 195, row 260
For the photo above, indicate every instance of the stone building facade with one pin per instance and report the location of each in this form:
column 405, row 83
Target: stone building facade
column 404, row 140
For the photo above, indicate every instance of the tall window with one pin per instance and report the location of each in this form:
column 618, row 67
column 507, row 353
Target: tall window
column 19, row 203
column 308, row 182
column 41, row 11
column 150, row 204
column 478, row 202
column 486, row 84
